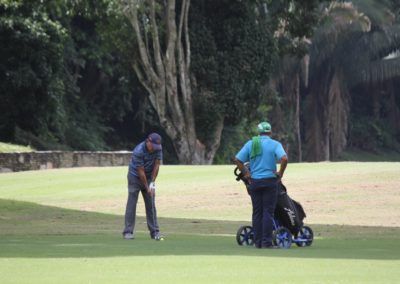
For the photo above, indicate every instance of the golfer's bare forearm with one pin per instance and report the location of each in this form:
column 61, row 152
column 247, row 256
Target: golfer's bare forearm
column 154, row 174
column 143, row 178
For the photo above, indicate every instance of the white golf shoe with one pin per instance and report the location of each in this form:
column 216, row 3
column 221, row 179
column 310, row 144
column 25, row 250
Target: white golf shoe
column 158, row 237
column 128, row 236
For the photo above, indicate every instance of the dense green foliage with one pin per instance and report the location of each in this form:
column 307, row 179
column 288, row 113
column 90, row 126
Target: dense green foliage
column 66, row 78
column 232, row 55
column 234, row 49
column 64, row 87
column 68, row 82
column 31, row 73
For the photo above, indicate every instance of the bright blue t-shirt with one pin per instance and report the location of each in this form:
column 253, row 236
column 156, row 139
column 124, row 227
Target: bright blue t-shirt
column 141, row 157
column 264, row 165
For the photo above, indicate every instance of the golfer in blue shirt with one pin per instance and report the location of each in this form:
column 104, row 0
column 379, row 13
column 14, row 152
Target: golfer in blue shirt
column 263, row 153
column 142, row 174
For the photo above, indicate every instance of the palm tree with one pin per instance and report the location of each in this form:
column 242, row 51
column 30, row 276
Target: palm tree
column 291, row 76
column 350, row 48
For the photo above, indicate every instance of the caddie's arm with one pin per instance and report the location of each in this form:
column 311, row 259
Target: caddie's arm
column 282, row 167
column 143, row 179
column 243, row 169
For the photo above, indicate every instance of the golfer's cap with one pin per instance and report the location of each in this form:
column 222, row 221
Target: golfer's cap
column 263, row 127
column 155, row 139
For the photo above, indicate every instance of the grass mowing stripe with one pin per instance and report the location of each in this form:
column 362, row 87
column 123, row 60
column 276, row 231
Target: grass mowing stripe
column 197, row 269
column 192, row 259
column 106, row 245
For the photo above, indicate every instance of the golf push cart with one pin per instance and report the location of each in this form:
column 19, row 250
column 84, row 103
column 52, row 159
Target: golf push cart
column 288, row 224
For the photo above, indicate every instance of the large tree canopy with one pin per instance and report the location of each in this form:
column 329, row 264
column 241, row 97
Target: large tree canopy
column 234, row 43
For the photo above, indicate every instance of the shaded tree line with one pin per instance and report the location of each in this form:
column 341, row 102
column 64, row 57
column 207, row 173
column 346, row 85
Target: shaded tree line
column 63, row 86
column 67, row 72
column 100, row 75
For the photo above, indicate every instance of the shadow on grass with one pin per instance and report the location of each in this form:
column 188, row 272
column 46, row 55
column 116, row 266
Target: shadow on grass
column 29, row 230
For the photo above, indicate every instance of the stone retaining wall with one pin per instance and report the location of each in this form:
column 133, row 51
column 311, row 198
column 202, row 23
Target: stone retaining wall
column 41, row 160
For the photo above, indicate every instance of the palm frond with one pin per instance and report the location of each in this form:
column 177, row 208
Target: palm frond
column 353, row 43
column 378, row 11
column 340, row 27
column 376, row 72
column 369, row 57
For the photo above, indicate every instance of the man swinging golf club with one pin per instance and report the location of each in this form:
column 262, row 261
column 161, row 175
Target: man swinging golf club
column 142, row 174
column 262, row 152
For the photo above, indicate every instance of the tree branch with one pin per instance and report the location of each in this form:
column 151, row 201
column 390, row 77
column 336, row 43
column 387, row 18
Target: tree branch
column 187, row 41
column 213, row 144
column 146, row 85
column 131, row 13
column 171, row 32
column 156, row 41
column 182, row 61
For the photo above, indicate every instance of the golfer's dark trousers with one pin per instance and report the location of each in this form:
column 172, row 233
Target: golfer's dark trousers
column 134, row 187
column 264, row 195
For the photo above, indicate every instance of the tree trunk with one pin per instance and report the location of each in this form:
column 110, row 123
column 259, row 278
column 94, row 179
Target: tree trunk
column 316, row 119
column 165, row 75
column 297, row 121
column 339, row 105
column 393, row 110
column 285, row 115
column 327, row 118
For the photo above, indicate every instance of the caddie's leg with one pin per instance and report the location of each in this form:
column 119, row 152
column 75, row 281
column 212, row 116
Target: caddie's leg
column 151, row 213
column 269, row 199
column 256, row 200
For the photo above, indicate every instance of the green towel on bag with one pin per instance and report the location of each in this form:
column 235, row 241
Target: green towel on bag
column 256, row 149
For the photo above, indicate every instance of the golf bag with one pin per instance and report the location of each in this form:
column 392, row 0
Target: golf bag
column 289, row 212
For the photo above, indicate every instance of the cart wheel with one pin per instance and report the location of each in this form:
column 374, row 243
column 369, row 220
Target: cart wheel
column 244, row 236
column 282, row 237
column 305, row 237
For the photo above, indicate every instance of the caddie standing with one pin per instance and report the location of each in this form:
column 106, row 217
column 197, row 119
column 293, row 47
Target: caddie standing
column 263, row 153
column 142, row 174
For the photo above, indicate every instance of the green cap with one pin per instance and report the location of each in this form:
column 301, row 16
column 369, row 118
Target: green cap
column 264, row 127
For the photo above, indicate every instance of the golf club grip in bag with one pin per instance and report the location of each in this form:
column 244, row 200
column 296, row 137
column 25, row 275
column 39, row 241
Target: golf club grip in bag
column 288, row 211
column 239, row 175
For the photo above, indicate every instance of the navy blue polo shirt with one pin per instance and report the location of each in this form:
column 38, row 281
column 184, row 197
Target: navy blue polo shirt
column 141, row 157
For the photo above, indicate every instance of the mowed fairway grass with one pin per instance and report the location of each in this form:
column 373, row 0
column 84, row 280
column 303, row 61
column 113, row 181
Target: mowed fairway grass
column 64, row 226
